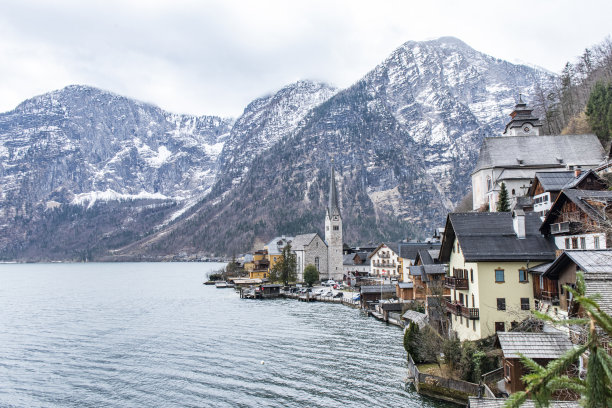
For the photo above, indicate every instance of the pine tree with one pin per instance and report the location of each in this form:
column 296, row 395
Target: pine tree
column 596, row 389
column 503, row 203
column 599, row 111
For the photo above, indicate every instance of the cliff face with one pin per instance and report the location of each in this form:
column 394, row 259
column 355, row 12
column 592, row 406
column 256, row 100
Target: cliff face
column 86, row 173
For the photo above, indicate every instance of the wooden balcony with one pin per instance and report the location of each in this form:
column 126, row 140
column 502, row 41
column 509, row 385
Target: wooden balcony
column 548, row 296
column 453, row 282
column 471, row 313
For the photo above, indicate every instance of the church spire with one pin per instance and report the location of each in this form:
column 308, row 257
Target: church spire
column 333, row 208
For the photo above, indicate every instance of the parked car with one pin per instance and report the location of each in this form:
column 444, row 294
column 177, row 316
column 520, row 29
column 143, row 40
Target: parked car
column 330, row 282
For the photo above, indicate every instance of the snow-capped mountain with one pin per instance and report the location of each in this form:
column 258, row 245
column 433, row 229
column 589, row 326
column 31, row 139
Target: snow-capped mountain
column 404, row 140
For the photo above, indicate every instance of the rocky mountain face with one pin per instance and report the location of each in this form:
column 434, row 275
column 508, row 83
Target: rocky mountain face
column 113, row 177
column 404, row 140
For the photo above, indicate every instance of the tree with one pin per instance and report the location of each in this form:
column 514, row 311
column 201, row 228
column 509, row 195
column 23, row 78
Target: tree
column 596, row 389
column 503, row 203
column 411, row 335
column 599, row 110
column 285, row 269
column 311, row 274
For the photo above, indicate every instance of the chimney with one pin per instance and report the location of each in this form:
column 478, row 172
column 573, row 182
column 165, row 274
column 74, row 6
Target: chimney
column 518, row 222
column 577, row 172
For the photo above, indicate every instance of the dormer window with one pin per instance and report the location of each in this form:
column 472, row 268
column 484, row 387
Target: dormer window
column 489, row 184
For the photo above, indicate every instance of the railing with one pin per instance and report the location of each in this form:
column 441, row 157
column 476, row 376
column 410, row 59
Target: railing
column 552, row 297
column 384, row 256
column 471, row 313
column 456, row 283
column 384, row 265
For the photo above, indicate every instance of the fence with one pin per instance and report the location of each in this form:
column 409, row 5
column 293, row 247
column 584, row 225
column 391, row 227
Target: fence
column 447, row 389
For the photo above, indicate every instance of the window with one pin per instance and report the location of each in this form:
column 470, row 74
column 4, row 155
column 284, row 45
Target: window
column 582, row 243
column 506, row 368
column 574, row 243
column 523, row 276
column 596, row 242
column 472, row 275
column 461, row 298
column 513, row 192
column 499, row 275
column 524, row 303
column 501, row 303
column 474, row 325
column 489, row 184
column 317, row 262
column 500, row 326
column 336, row 228
column 473, row 303
column 567, row 243
column 513, row 325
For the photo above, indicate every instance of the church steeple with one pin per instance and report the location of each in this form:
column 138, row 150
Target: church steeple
column 523, row 122
column 333, row 208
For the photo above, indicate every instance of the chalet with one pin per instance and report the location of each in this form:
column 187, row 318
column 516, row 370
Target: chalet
column 309, row 249
column 515, row 157
column 356, row 267
column 488, row 256
column 540, row 347
column 546, row 186
column 548, row 285
column 578, row 219
column 428, row 280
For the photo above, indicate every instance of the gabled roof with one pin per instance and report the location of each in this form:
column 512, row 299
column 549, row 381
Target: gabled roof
column 584, row 199
column 405, row 285
column 533, row 345
column 392, row 246
column 414, row 316
column 300, row 241
column 416, row 270
column 424, row 256
column 333, row 208
column 491, row 237
column 553, row 180
column 475, row 402
column 276, row 245
column 348, row 259
column 596, row 266
column 409, row 250
column 378, row 289
column 540, row 151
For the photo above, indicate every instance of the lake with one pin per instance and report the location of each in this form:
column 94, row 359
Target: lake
column 151, row 335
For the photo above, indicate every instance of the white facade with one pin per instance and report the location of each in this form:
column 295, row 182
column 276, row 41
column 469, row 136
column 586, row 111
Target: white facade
column 385, row 262
column 581, row 241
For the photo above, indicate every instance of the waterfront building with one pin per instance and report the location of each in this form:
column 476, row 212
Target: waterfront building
column 333, row 233
column 274, row 250
column 521, row 151
column 310, row 249
column 259, row 270
column 489, row 255
column 356, row 267
column 385, row 261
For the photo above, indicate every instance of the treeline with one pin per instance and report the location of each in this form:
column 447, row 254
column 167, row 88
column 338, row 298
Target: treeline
column 563, row 100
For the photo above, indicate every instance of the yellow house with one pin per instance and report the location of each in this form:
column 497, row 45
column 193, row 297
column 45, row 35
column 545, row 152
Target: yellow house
column 489, row 255
column 274, row 250
column 260, row 265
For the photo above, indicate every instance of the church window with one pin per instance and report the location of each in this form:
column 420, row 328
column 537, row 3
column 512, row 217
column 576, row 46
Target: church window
column 317, row 262
column 513, row 192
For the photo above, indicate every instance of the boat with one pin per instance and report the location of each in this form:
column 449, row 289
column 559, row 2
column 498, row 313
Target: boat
column 221, row 284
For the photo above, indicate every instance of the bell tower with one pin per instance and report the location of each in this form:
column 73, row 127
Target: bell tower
column 333, row 232
column 523, row 122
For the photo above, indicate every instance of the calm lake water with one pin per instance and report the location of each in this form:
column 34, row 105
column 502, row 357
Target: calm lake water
column 151, row 335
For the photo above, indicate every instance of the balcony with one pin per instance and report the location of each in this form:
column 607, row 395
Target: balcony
column 384, row 256
column 471, row 313
column 453, row 282
column 384, row 265
column 547, row 296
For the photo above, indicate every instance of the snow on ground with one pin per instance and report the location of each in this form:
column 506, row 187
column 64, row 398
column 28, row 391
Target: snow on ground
column 111, row 195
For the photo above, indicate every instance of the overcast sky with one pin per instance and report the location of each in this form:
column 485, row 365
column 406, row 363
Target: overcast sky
column 214, row 57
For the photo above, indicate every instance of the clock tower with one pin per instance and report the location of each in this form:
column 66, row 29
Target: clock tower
column 523, row 122
column 333, row 232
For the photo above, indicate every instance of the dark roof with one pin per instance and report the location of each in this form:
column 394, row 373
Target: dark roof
column 409, row 250
column 406, row 285
column 416, row 270
column 377, row 289
column 491, row 237
column 554, row 180
column 540, row 151
column 333, row 208
column 392, row 246
column 533, row 345
column 475, row 402
column 596, row 266
column 581, row 198
column 424, row 255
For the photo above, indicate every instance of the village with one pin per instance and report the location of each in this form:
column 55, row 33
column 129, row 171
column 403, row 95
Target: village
column 538, row 226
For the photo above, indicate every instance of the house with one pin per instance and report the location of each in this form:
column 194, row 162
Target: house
column 578, row 219
column 260, row 265
column 309, row 249
column 374, row 293
column 546, row 186
column 248, row 263
column 275, row 249
column 489, row 255
column 428, row 280
column 521, row 151
column 356, row 267
column 540, row 347
column 385, row 261
column 409, row 251
column 548, row 285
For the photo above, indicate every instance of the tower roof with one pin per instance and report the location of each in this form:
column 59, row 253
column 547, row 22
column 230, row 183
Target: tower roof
column 333, row 208
column 520, row 115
